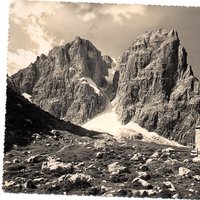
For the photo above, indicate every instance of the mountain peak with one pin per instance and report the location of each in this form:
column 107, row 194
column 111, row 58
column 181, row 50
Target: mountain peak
column 155, row 80
column 155, row 38
column 77, row 37
column 66, row 81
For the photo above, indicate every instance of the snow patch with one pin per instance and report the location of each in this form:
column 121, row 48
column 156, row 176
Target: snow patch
column 91, row 83
column 27, row 96
column 114, row 60
column 108, row 122
column 109, row 78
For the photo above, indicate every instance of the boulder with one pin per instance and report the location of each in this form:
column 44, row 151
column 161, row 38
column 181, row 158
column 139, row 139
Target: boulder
column 79, row 177
column 34, row 159
column 104, row 189
column 142, row 184
column 144, row 175
column 137, row 157
column 167, row 150
column 155, row 155
column 30, row 184
column 143, row 168
column 183, row 171
column 37, row 136
column 9, row 183
column 186, row 161
column 196, row 177
column 15, row 161
column 39, row 180
column 196, row 159
column 116, row 168
column 55, row 132
column 169, row 185
column 170, row 161
column 164, row 156
column 7, row 162
column 165, row 194
column 99, row 155
column 55, row 165
column 150, row 160
column 79, row 180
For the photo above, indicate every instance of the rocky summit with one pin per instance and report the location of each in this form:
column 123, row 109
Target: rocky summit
column 67, row 81
column 157, row 88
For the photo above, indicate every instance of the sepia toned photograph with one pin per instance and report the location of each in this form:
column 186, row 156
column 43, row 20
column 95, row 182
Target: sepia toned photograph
column 102, row 100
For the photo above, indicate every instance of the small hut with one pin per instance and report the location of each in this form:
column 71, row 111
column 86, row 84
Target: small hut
column 197, row 138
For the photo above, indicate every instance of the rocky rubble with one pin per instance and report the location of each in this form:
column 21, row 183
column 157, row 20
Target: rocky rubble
column 157, row 88
column 75, row 165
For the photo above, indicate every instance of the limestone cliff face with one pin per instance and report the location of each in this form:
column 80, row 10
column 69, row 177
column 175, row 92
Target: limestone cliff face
column 65, row 82
column 153, row 85
column 157, row 88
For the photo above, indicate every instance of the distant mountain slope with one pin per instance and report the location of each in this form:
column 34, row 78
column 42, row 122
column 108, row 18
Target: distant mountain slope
column 23, row 119
column 157, row 88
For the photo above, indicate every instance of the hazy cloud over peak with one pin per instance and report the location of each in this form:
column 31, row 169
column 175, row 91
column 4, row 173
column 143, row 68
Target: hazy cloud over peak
column 88, row 12
column 124, row 11
column 31, row 16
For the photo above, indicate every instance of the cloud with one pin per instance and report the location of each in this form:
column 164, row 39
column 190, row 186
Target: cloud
column 87, row 16
column 118, row 12
column 32, row 17
column 86, row 12
column 22, row 9
column 38, row 34
column 19, row 60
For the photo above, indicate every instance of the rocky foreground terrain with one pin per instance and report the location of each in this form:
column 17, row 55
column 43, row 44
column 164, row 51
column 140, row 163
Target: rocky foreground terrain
column 69, row 160
column 73, row 165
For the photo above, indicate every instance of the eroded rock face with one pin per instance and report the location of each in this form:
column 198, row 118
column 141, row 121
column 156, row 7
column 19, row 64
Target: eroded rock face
column 57, row 82
column 157, row 88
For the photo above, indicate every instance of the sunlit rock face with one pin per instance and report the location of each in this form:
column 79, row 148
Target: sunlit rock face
column 66, row 81
column 157, row 88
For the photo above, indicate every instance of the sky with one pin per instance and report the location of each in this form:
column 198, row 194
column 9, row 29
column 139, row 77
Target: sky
column 35, row 27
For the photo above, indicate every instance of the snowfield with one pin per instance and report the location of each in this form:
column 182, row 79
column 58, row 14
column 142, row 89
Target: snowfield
column 27, row 96
column 108, row 122
column 109, row 78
